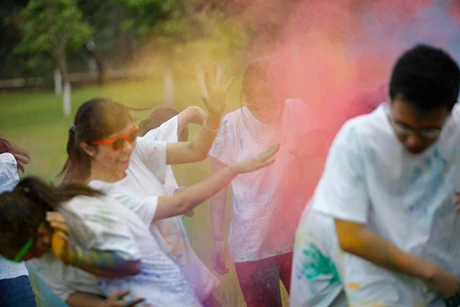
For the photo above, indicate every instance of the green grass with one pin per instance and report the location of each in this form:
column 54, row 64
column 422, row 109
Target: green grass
column 34, row 121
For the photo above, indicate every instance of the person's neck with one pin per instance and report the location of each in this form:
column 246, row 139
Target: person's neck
column 105, row 174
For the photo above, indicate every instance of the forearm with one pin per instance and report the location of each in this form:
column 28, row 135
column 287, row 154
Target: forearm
column 194, row 195
column 82, row 299
column 101, row 263
column 371, row 247
column 196, row 149
column 217, row 203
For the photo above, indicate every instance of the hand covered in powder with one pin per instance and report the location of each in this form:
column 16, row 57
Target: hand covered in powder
column 256, row 163
column 60, row 238
column 218, row 257
column 215, row 98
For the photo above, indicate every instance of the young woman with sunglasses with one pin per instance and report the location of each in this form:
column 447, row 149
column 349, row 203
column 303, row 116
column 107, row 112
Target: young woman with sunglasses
column 138, row 168
column 107, row 238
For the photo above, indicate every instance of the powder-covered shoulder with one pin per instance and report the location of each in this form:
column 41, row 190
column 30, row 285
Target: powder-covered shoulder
column 7, row 160
column 8, row 172
column 364, row 128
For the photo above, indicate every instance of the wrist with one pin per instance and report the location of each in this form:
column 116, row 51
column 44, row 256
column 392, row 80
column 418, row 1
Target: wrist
column 72, row 256
column 211, row 127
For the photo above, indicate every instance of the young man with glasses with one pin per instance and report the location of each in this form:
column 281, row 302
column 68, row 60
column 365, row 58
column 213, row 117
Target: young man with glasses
column 386, row 199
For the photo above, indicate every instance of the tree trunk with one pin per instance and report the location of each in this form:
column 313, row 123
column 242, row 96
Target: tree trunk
column 61, row 62
column 99, row 64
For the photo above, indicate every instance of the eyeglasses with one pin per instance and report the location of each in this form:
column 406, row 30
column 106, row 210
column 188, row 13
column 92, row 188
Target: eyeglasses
column 403, row 130
column 118, row 142
column 26, row 246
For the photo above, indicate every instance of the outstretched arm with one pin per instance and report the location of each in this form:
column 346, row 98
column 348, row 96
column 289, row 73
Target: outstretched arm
column 194, row 195
column 355, row 238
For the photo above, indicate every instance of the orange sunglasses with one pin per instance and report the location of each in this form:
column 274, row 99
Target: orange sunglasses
column 118, row 142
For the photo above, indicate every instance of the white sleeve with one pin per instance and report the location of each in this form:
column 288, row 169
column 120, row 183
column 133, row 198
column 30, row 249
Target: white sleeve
column 222, row 148
column 342, row 191
column 153, row 154
column 8, row 172
column 94, row 225
column 167, row 132
column 144, row 206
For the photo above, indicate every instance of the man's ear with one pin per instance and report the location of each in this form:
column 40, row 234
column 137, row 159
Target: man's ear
column 89, row 149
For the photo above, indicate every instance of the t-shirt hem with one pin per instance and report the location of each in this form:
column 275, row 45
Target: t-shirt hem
column 339, row 215
column 279, row 252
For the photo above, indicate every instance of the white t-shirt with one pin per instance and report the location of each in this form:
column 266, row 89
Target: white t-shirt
column 143, row 182
column 407, row 199
column 8, row 180
column 107, row 225
column 266, row 203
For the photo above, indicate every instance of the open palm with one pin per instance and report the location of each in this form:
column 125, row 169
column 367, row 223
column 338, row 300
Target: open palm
column 254, row 164
column 214, row 96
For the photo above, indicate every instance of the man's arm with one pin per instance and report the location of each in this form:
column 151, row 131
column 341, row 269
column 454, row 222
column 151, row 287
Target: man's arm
column 355, row 238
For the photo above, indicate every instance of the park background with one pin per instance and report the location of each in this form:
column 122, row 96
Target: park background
column 145, row 54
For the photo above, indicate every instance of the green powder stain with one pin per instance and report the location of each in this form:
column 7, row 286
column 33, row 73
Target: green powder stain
column 319, row 265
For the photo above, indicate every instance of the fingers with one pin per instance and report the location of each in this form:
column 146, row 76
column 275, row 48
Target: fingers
column 219, row 71
column 268, row 153
column 119, row 295
column 133, row 303
column 62, row 235
column 229, row 83
column 202, row 83
column 57, row 221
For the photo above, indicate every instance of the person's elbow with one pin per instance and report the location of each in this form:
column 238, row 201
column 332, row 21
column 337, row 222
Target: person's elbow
column 349, row 235
column 197, row 153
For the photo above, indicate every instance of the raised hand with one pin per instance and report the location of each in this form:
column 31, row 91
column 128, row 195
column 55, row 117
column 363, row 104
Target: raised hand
column 254, row 164
column 214, row 96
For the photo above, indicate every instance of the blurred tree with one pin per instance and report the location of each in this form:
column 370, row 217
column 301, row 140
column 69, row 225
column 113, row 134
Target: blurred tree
column 11, row 64
column 52, row 27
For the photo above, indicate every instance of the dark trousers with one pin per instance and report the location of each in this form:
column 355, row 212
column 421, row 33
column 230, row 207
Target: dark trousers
column 16, row 292
column 259, row 280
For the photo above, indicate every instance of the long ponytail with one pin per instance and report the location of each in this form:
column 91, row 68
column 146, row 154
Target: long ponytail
column 24, row 209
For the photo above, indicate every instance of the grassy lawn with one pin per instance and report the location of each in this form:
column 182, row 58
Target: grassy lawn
column 34, row 121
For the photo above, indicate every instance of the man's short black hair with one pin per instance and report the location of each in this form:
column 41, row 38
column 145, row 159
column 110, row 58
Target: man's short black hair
column 426, row 77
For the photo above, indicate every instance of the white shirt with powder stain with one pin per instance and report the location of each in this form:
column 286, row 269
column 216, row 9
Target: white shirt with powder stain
column 406, row 199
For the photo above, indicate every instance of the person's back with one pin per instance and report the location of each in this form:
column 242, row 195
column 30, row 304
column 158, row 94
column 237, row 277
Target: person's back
column 157, row 282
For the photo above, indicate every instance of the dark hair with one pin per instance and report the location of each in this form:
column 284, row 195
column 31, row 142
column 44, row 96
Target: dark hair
column 20, row 155
column 426, row 77
column 95, row 120
column 155, row 119
column 23, row 209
